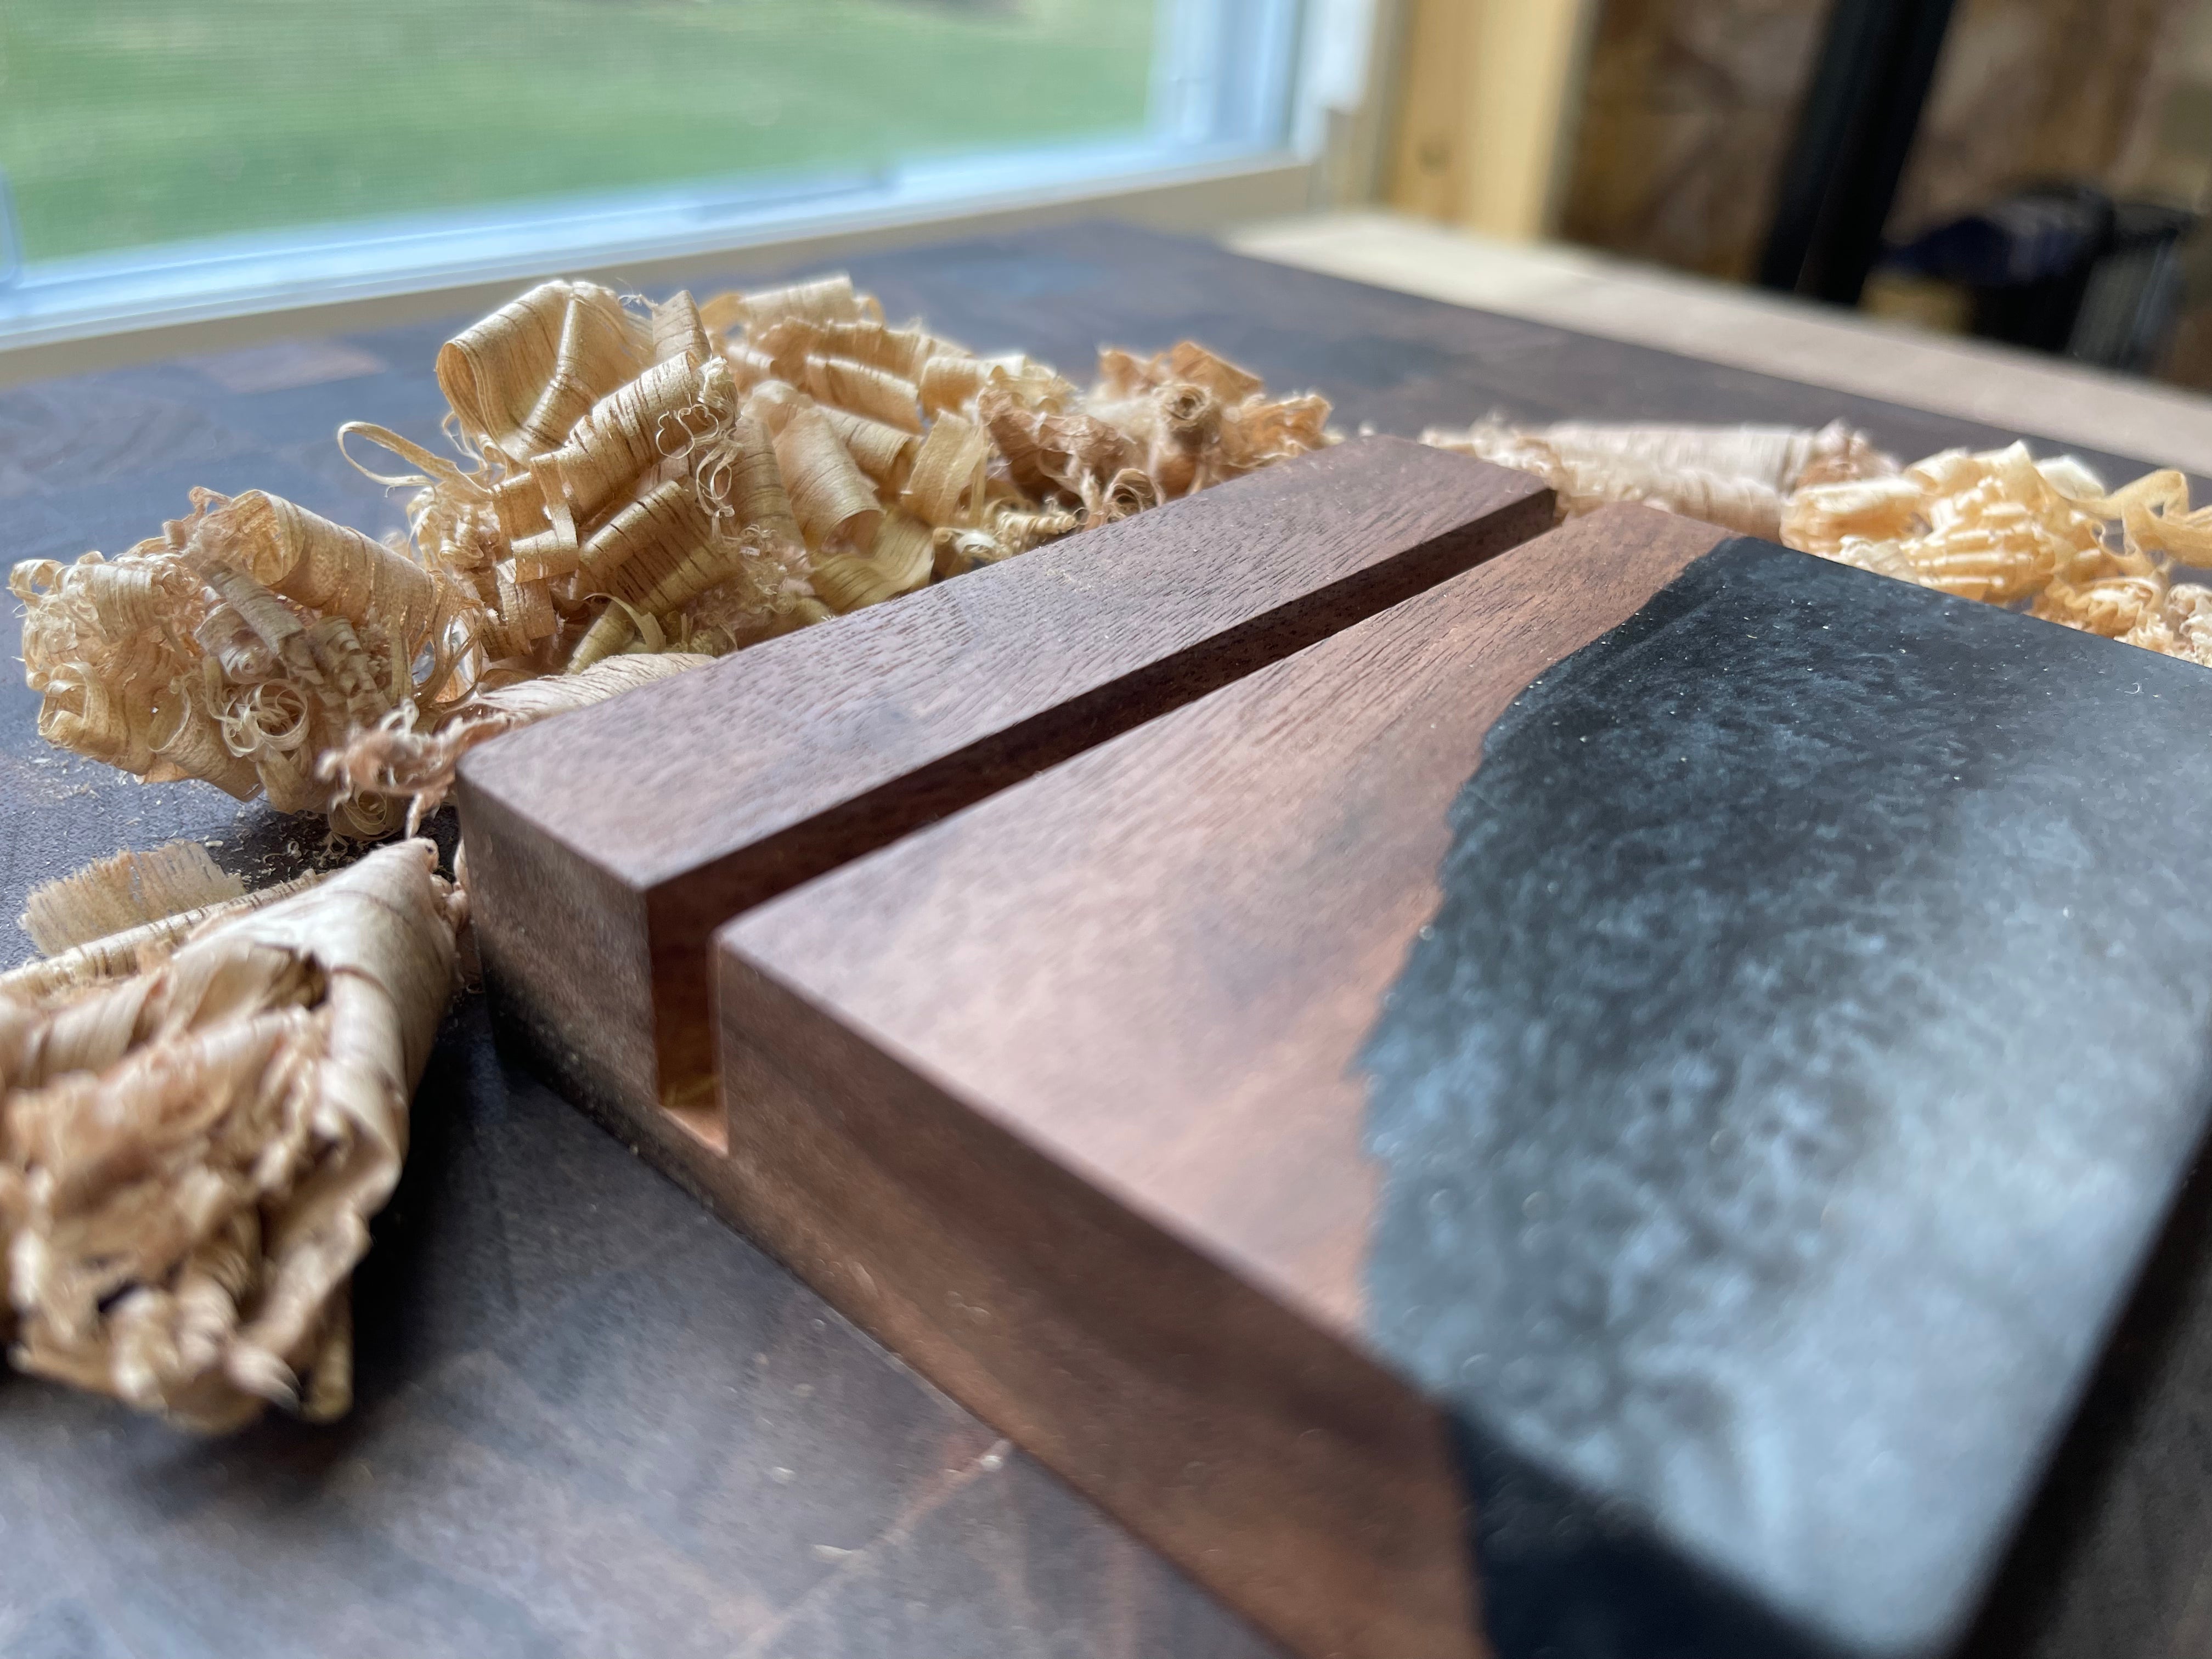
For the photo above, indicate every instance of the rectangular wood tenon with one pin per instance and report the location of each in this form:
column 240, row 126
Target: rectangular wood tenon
column 1669, row 1046
column 606, row 847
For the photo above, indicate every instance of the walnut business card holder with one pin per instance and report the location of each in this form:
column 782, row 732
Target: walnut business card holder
column 1607, row 1110
column 606, row 847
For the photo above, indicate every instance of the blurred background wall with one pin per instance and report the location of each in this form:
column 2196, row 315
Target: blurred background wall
column 1689, row 107
column 2035, row 88
column 1669, row 129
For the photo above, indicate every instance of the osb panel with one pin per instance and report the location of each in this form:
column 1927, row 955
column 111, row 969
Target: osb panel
column 2030, row 89
column 1692, row 104
column 1690, row 108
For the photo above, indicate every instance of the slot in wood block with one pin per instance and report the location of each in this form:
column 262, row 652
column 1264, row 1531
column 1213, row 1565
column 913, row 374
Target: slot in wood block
column 1607, row 1110
column 606, row 847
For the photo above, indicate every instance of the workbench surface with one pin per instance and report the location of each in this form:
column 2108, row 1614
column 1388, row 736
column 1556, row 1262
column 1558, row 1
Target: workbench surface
column 590, row 1420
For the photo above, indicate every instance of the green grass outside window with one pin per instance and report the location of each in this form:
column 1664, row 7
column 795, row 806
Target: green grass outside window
column 129, row 121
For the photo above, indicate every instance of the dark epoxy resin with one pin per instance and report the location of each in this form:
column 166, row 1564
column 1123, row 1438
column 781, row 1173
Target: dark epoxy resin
column 1814, row 1029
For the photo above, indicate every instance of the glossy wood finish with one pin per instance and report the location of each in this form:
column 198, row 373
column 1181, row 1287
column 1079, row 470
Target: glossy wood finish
column 606, row 848
column 1770, row 1080
column 1081, row 1059
column 565, row 1444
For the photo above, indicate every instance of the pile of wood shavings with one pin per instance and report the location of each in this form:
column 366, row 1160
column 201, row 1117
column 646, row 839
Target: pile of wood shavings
column 193, row 1139
column 204, row 1092
column 2008, row 530
column 675, row 481
column 1998, row 526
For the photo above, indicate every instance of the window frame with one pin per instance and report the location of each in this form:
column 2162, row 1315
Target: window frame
column 1231, row 135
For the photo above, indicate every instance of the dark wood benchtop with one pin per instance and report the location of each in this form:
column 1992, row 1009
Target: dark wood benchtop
column 591, row 1420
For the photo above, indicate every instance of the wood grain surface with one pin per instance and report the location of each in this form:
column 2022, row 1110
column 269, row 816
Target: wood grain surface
column 1075, row 1100
column 606, row 849
column 591, row 1420
column 1130, row 993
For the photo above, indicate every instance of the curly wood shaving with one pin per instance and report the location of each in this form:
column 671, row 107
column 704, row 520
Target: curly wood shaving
column 288, row 783
column 900, row 351
column 521, row 378
column 2154, row 511
column 740, row 480
column 102, row 642
column 833, row 500
column 2000, row 527
column 631, row 478
column 758, row 605
column 1033, row 383
column 773, row 403
column 188, row 742
column 323, row 566
column 1199, row 419
column 750, row 367
column 947, row 484
column 670, row 407
column 787, row 345
column 1047, row 453
column 901, row 560
column 618, row 630
column 673, row 570
column 189, row 1156
column 526, row 604
column 1258, row 433
column 1129, row 491
column 1818, row 519
column 1229, row 384
column 678, row 332
column 827, row 299
column 542, row 557
column 1008, row 529
column 859, row 389
column 954, row 382
column 1995, row 527
column 1737, row 478
column 133, row 948
column 395, row 761
column 1781, row 457
column 125, row 891
column 884, row 453
column 663, row 526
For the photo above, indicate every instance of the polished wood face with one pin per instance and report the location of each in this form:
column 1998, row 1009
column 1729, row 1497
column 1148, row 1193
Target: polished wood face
column 1081, row 1060
column 604, row 852
column 589, row 1419
column 1376, row 1102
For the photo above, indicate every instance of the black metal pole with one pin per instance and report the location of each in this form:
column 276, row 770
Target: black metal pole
column 1861, row 116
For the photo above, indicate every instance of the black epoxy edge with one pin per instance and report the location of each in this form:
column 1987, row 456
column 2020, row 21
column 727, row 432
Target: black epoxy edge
column 1607, row 1585
column 2134, row 1383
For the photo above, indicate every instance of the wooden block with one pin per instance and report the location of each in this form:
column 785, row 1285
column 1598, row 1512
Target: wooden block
column 1657, row 1196
column 605, row 849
